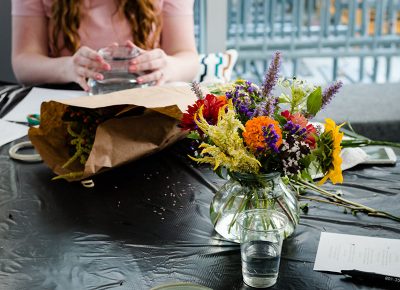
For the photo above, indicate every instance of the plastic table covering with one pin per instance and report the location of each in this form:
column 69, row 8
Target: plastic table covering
column 147, row 223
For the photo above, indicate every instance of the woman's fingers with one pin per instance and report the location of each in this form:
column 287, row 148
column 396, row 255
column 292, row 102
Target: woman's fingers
column 152, row 65
column 149, row 55
column 82, row 82
column 88, row 73
column 155, row 76
column 87, row 63
column 150, row 60
column 132, row 45
column 83, row 74
column 89, row 53
column 89, row 58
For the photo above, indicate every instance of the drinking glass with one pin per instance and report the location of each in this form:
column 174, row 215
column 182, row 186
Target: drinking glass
column 118, row 77
column 261, row 238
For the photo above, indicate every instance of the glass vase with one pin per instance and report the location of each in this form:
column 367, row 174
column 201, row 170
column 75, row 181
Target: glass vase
column 250, row 191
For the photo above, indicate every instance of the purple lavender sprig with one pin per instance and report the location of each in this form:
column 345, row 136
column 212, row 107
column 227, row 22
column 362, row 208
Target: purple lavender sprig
column 266, row 108
column 271, row 137
column 271, row 77
column 196, row 89
column 329, row 93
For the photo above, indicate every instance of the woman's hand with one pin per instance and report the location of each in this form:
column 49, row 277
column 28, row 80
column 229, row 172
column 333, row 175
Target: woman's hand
column 152, row 63
column 86, row 63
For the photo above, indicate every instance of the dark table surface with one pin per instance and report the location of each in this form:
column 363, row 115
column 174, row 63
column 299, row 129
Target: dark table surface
column 147, row 223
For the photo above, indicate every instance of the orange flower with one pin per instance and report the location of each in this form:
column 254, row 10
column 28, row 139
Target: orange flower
column 255, row 134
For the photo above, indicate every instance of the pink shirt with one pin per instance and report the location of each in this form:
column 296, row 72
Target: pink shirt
column 100, row 25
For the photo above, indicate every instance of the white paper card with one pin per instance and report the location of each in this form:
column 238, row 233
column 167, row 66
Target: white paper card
column 338, row 252
column 32, row 101
column 11, row 131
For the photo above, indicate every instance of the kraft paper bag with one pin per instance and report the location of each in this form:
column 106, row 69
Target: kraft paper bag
column 142, row 121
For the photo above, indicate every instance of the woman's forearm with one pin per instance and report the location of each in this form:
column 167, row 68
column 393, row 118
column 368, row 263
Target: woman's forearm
column 183, row 66
column 32, row 68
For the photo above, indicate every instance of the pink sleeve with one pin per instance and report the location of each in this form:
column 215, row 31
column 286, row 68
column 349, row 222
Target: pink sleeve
column 177, row 7
column 27, row 8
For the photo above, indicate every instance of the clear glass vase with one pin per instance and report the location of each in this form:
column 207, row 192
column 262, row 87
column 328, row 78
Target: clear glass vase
column 248, row 191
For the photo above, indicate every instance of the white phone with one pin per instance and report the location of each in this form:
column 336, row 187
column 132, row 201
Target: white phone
column 379, row 155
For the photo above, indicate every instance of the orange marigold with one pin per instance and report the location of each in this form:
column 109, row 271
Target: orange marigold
column 254, row 136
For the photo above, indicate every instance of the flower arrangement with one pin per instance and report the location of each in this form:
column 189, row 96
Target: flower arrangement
column 244, row 128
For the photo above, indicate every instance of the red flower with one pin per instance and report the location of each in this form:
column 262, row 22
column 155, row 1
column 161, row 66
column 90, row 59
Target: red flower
column 302, row 121
column 211, row 105
column 311, row 133
column 285, row 114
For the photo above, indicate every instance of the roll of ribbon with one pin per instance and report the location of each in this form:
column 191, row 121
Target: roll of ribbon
column 13, row 152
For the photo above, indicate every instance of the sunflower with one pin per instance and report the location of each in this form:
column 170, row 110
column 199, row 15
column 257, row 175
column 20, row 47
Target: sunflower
column 329, row 152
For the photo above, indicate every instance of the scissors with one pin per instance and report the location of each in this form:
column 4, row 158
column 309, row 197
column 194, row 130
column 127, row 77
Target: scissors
column 33, row 119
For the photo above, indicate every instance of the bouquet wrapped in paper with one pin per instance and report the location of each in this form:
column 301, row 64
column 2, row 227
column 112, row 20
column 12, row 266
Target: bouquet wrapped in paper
column 80, row 137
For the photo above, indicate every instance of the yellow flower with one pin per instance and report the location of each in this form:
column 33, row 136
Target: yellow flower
column 227, row 148
column 334, row 136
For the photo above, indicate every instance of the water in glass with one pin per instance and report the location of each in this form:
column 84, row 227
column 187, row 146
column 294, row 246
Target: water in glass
column 118, row 78
column 260, row 263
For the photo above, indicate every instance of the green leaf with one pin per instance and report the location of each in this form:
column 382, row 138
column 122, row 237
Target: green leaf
column 193, row 135
column 306, row 176
column 283, row 98
column 314, row 101
column 281, row 120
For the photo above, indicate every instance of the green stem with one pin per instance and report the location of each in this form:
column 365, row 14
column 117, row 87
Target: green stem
column 241, row 207
column 343, row 201
column 288, row 214
column 329, row 202
column 363, row 143
column 71, row 175
column 222, row 209
column 326, row 193
column 72, row 159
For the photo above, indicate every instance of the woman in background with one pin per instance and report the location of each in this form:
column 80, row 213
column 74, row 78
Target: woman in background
column 56, row 41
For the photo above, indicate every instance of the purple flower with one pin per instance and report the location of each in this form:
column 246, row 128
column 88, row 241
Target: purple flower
column 261, row 110
column 244, row 97
column 329, row 92
column 271, row 137
column 266, row 108
column 271, row 76
column 295, row 129
column 196, row 89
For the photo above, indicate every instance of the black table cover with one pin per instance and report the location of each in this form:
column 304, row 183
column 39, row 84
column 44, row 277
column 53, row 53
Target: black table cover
column 147, row 223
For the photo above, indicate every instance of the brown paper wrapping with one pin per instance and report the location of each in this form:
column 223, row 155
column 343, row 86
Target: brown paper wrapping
column 117, row 140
